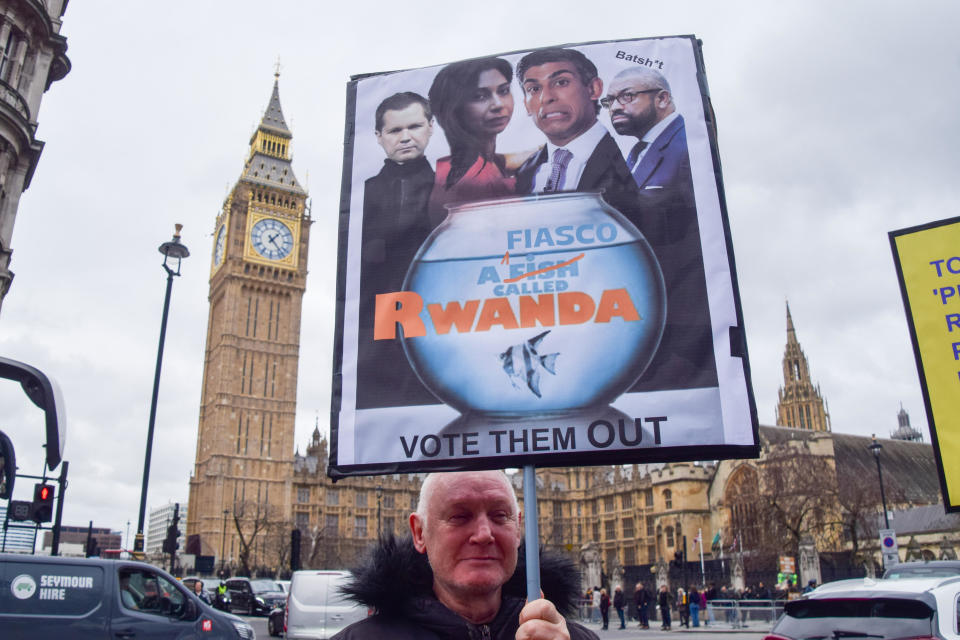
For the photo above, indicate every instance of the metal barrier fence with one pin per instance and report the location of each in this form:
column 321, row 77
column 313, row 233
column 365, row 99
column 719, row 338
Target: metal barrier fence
column 737, row 614
column 741, row 614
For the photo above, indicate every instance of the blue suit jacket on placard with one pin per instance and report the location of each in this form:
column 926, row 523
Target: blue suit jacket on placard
column 663, row 174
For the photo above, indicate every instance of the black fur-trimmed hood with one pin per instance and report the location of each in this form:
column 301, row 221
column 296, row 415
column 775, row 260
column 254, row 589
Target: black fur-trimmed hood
column 393, row 574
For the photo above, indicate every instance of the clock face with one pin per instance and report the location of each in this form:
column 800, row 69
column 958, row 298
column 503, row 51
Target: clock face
column 272, row 239
column 219, row 245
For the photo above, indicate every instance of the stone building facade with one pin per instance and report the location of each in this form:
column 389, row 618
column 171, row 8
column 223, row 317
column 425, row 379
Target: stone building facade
column 242, row 479
column 33, row 55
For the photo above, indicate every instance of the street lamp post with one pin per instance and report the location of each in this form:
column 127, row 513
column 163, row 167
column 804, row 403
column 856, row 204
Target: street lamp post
column 173, row 253
column 875, row 447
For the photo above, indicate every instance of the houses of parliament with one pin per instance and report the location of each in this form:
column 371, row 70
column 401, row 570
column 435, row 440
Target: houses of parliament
column 250, row 485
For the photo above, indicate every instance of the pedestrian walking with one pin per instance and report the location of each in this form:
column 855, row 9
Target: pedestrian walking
column 665, row 601
column 605, row 608
column 618, row 604
column 683, row 607
column 642, row 599
column 694, row 598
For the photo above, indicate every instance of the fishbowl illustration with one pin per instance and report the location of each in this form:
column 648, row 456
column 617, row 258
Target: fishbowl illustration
column 533, row 306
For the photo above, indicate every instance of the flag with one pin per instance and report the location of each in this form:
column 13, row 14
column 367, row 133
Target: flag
column 696, row 540
column 716, row 540
column 733, row 545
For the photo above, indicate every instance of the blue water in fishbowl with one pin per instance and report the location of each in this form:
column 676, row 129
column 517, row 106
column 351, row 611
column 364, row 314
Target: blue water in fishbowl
column 566, row 337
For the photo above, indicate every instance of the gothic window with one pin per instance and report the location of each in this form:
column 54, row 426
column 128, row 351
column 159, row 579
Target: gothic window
column 270, row 435
column 669, row 532
column 303, row 520
column 608, row 504
column 333, row 498
column 648, row 498
column 649, row 525
column 388, row 502
column 303, row 494
column 629, row 556
column 596, row 530
column 360, row 527
column 627, row 527
column 360, row 500
column 741, row 496
column 593, row 507
column 610, row 532
column 626, row 500
column 667, row 499
column 333, row 523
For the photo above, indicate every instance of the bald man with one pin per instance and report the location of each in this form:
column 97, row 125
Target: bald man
column 454, row 578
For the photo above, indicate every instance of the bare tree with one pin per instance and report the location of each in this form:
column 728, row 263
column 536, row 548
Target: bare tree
column 276, row 543
column 796, row 498
column 251, row 520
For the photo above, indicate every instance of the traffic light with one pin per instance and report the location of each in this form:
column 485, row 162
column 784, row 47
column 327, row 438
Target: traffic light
column 41, row 510
column 170, row 543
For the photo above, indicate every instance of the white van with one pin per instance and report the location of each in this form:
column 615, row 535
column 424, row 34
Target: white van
column 315, row 608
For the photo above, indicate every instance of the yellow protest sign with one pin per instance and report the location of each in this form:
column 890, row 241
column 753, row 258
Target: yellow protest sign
column 927, row 258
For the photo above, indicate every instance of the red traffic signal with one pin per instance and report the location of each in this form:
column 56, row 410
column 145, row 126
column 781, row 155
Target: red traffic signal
column 42, row 508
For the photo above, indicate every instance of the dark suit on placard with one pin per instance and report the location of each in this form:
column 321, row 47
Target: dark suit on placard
column 395, row 223
column 684, row 359
column 669, row 222
column 604, row 171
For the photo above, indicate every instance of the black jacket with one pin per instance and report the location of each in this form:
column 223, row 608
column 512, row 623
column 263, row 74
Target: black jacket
column 396, row 581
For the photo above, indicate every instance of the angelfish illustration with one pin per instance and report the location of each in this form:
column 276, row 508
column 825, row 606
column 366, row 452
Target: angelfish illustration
column 523, row 364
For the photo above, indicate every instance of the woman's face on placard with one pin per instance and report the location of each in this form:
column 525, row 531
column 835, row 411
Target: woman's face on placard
column 488, row 110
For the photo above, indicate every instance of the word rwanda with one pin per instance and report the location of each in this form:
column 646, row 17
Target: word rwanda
column 547, row 310
column 600, row 434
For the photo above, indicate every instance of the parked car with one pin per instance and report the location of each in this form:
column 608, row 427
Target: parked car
column 47, row 597
column 916, row 608
column 284, row 584
column 254, row 597
column 931, row 569
column 315, row 608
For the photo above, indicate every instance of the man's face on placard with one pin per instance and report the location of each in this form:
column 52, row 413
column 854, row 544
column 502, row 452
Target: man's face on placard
column 561, row 105
column 640, row 114
column 405, row 133
column 470, row 533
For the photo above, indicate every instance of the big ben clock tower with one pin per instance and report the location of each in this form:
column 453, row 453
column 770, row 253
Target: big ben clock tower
column 241, row 482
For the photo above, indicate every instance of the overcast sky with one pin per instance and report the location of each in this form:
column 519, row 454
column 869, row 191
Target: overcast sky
column 837, row 122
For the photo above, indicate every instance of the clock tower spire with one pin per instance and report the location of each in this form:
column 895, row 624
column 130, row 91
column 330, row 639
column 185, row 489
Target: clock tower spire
column 244, row 464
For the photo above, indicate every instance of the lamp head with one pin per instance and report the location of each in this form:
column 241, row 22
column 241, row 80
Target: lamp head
column 875, row 446
column 173, row 252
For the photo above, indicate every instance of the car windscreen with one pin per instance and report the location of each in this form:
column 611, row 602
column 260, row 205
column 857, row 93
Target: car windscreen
column 262, row 586
column 922, row 572
column 836, row 618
